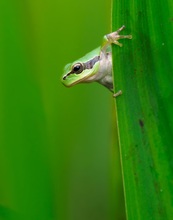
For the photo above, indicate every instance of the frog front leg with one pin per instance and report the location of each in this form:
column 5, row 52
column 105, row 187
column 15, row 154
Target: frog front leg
column 113, row 38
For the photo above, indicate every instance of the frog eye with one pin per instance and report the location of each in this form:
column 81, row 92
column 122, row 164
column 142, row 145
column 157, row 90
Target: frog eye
column 77, row 68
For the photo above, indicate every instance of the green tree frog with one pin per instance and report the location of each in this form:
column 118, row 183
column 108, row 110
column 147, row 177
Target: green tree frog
column 95, row 66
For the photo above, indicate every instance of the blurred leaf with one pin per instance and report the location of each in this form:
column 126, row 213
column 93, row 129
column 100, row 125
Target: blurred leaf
column 143, row 70
column 54, row 153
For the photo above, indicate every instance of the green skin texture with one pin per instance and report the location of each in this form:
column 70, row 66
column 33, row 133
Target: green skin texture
column 101, row 71
column 74, row 79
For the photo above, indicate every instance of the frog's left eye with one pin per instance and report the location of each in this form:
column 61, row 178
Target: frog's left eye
column 77, row 68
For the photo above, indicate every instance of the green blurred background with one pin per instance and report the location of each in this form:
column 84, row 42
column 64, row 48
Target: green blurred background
column 56, row 154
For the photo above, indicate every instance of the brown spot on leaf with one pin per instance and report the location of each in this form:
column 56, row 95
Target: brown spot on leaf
column 141, row 123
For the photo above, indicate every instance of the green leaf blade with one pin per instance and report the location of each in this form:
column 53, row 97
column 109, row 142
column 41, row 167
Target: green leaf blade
column 143, row 70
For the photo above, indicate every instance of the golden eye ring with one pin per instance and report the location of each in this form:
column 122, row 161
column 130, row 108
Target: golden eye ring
column 77, row 68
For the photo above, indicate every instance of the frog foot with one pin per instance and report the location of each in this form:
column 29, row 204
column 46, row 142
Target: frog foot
column 114, row 36
column 117, row 94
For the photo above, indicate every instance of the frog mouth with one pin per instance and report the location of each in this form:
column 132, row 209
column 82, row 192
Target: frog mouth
column 81, row 80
